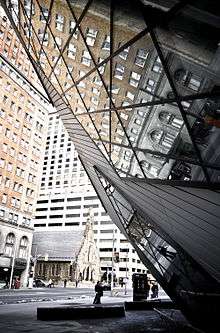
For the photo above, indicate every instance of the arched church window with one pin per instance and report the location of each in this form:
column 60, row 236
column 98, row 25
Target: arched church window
column 165, row 139
column 164, row 116
column 9, row 244
column 169, row 118
column 180, row 75
column 188, row 79
column 23, row 247
column 156, row 135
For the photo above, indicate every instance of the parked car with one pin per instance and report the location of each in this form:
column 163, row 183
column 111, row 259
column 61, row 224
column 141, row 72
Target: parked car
column 106, row 286
column 2, row 284
column 38, row 283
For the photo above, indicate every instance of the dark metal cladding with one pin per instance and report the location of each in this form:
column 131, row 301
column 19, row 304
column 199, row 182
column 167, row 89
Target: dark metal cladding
column 151, row 152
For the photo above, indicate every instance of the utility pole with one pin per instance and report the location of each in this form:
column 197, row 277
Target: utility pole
column 126, row 267
column 113, row 251
column 13, row 259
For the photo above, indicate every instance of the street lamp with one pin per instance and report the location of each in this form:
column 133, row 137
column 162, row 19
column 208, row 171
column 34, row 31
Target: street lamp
column 126, row 267
column 13, row 259
column 113, row 251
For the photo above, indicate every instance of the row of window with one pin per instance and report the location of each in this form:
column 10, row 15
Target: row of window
column 9, row 247
column 16, row 202
column 25, row 85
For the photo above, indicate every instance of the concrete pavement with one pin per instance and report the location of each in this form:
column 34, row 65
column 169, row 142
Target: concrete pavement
column 22, row 317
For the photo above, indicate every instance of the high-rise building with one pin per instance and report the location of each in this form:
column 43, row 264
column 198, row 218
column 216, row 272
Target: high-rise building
column 23, row 125
column 136, row 84
column 65, row 198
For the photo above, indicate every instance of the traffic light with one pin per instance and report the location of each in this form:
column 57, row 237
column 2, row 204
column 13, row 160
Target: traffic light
column 116, row 256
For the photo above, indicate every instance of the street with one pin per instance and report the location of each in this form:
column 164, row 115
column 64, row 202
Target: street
column 43, row 294
column 18, row 313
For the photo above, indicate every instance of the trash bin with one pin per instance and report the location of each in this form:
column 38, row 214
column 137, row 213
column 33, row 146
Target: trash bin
column 140, row 287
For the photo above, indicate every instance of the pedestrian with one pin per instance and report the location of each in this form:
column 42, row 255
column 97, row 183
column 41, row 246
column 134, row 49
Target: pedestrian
column 77, row 283
column 154, row 290
column 148, row 289
column 99, row 293
column 17, row 283
column 65, row 282
column 50, row 283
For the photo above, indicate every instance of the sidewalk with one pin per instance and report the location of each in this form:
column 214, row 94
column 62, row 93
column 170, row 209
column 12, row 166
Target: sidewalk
column 22, row 318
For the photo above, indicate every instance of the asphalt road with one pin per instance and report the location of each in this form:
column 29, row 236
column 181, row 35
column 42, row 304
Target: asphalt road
column 44, row 294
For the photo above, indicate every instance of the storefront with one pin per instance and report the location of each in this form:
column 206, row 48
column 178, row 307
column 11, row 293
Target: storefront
column 5, row 268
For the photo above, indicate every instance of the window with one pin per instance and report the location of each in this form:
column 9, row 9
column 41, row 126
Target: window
column 187, row 79
column 137, row 121
column 71, row 28
column 58, row 43
column 97, row 80
column 194, row 82
column 43, row 14
column 130, row 95
column 124, row 54
column 7, row 132
column 4, row 147
column 43, row 36
column 91, row 35
column 168, row 118
column 4, row 198
column 150, row 85
column 101, row 68
column 9, row 167
column 141, row 57
column 9, row 245
column 86, row 58
column 2, row 163
column 157, row 68
column 23, row 248
column 71, row 51
column 2, row 113
column 106, row 43
column 70, row 70
column 12, row 151
column 95, row 100
column 119, row 71
column 165, row 139
column 7, row 182
column 59, row 24
column 134, row 79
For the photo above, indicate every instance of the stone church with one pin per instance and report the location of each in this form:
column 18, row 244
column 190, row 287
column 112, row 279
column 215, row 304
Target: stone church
column 71, row 255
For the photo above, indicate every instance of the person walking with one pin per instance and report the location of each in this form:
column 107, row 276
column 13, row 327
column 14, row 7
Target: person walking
column 64, row 283
column 99, row 293
column 50, row 283
column 154, row 290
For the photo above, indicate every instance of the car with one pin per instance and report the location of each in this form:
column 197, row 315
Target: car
column 106, row 286
column 38, row 283
column 2, row 284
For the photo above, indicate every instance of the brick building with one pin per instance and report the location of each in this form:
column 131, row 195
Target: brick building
column 23, row 125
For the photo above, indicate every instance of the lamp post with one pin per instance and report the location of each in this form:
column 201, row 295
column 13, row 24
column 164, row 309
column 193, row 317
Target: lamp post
column 113, row 251
column 126, row 267
column 13, row 259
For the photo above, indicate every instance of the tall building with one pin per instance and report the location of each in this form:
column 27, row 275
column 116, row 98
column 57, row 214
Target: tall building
column 23, row 125
column 136, row 84
column 65, row 198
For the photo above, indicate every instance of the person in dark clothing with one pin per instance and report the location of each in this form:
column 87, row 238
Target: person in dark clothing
column 154, row 290
column 99, row 293
column 64, row 283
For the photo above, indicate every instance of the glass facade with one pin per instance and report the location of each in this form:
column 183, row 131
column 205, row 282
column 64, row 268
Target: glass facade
column 136, row 85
